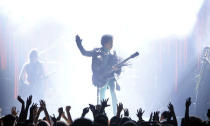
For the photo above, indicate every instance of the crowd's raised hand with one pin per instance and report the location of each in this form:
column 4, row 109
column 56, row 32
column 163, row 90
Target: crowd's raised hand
column 119, row 109
column 68, row 108
column 47, row 116
column 167, row 117
column 24, row 109
column 33, row 112
column 20, row 100
column 188, row 102
column 139, row 114
column 28, row 101
column 156, row 116
column 14, row 111
column 84, row 112
column 171, row 110
column 104, row 104
column 126, row 112
column 60, row 112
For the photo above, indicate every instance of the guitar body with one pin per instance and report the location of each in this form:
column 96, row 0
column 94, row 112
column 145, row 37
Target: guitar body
column 100, row 78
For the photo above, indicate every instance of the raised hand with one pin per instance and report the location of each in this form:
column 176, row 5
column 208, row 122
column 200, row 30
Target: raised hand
column 92, row 107
column 68, row 108
column 42, row 104
column 139, row 114
column 29, row 101
column 33, row 112
column 104, row 103
column 126, row 112
column 156, row 116
column 119, row 109
column 33, row 107
column 40, row 109
column 188, row 102
column 85, row 111
column 93, row 110
column 150, row 118
column 22, row 112
column 60, row 110
column 13, row 111
column 171, row 107
column 78, row 39
column 20, row 100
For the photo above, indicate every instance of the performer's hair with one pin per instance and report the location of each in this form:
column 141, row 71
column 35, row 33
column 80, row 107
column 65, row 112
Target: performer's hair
column 105, row 39
column 33, row 53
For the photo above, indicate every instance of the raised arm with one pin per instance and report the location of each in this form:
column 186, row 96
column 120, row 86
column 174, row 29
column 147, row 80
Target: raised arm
column 68, row 108
column 104, row 104
column 81, row 48
column 37, row 115
column 65, row 118
column 171, row 109
column 187, row 105
column 33, row 111
column 22, row 108
column 119, row 109
column 60, row 112
column 85, row 111
column 43, row 105
column 139, row 114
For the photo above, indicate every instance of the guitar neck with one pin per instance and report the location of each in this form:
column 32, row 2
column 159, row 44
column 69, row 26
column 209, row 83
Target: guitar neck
column 123, row 62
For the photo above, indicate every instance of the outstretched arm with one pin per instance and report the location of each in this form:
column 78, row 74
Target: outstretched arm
column 81, row 48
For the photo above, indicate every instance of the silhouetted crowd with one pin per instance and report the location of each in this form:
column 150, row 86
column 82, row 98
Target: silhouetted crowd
column 166, row 118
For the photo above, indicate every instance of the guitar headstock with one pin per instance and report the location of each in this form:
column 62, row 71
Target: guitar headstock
column 134, row 55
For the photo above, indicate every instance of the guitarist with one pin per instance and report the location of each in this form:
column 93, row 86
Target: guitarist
column 102, row 60
column 31, row 76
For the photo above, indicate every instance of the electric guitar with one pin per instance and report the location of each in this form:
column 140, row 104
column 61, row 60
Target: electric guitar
column 101, row 78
